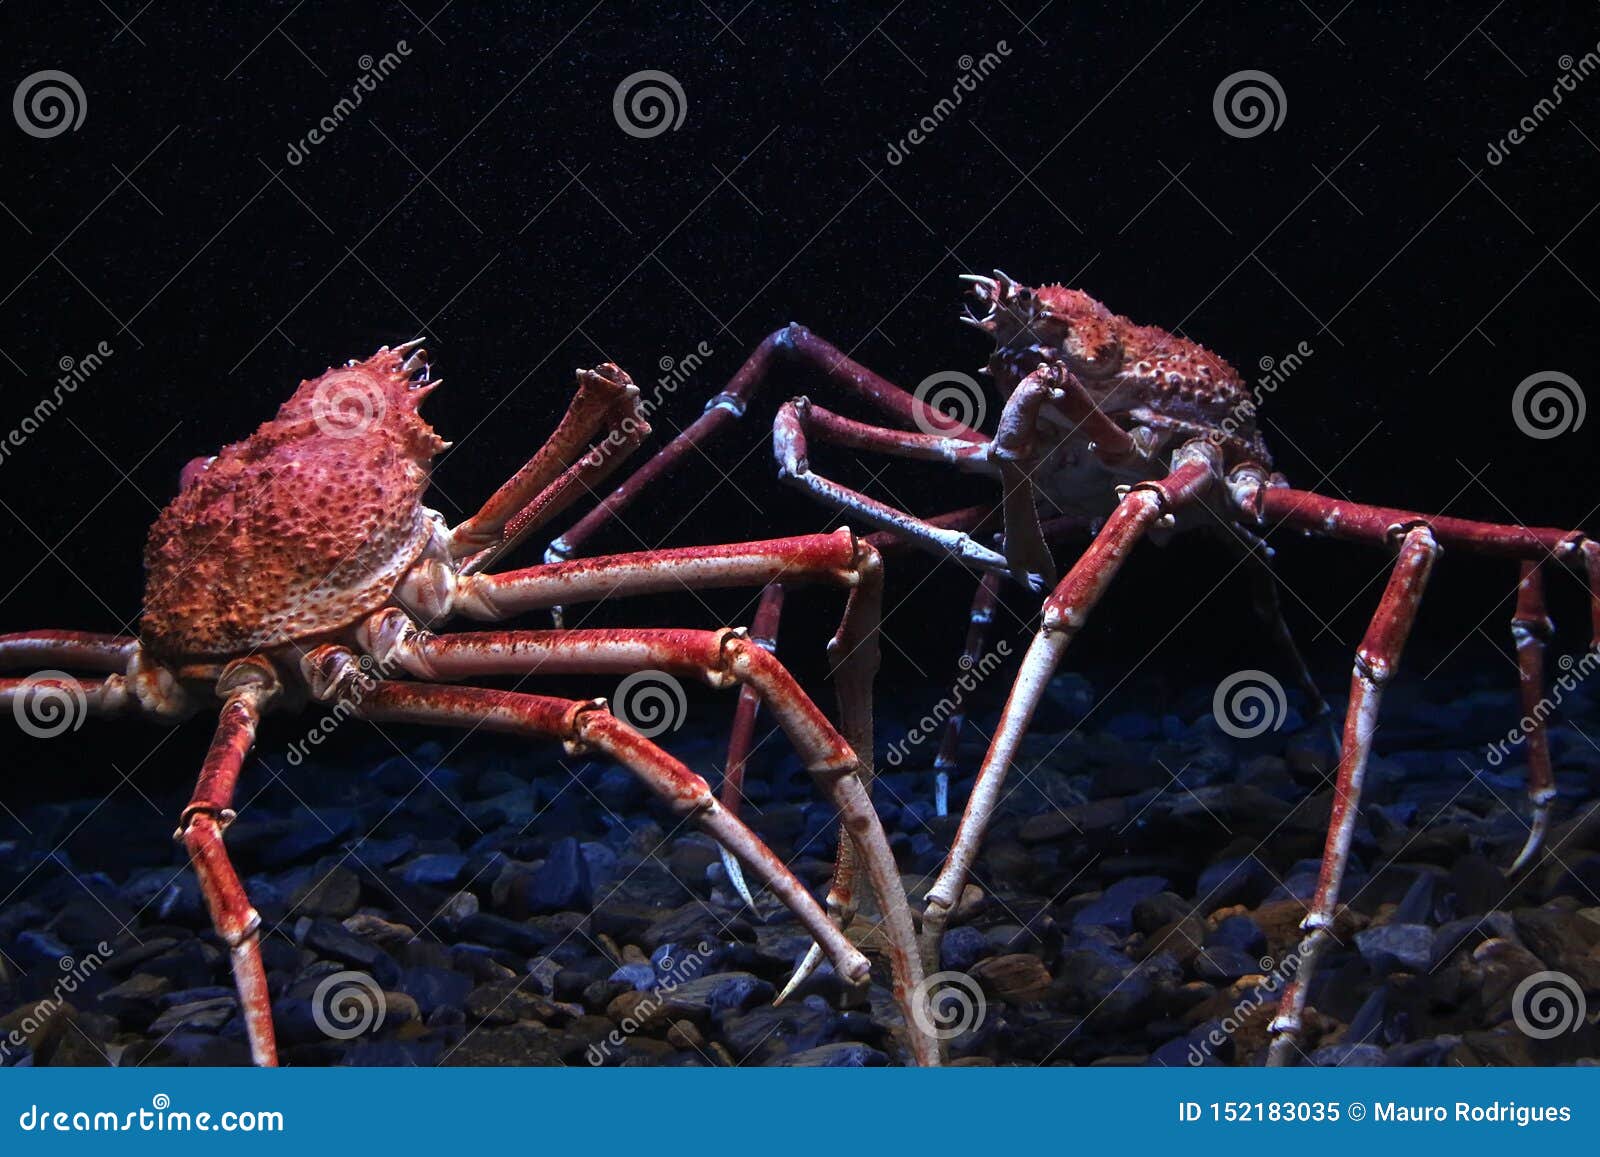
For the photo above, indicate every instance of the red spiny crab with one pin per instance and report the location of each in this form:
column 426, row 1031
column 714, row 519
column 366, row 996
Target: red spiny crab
column 1125, row 431
column 302, row 564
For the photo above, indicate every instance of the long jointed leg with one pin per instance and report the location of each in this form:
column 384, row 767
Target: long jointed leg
column 246, row 687
column 720, row 658
column 564, row 468
column 83, row 650
column 1375, row 664
column 799, row 420
column 741, row 736
column 1533, row 546
column 795, row 344
column 979, row 620
column 1531, row 630
column 1065, row 611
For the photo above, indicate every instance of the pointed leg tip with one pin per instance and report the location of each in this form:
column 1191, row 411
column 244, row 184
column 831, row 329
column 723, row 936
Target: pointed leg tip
column 735, row 872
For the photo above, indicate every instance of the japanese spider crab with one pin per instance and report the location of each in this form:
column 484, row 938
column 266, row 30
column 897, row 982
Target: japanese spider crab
column 1122, row 431
column 302, row 564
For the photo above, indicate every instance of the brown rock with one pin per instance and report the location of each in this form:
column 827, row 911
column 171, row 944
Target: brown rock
column 1017, row 978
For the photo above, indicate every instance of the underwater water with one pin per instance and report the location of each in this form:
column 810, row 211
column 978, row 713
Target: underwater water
column 1379, row 218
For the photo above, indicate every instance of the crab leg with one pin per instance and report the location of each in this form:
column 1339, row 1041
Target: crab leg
column 984, row 601
column 561, row 470
column 1317, row 514
column 54, row 699
column 87, row 650
column 839, row 558
column 789, row 444
column 335, row 674
column 1196, row 466
column 718, row 658
column 1376, row 660
column 247, row 687
column 1358, row 522
column 792, row 343
column 980, row 618
column 1531, row 630
column 741, row 736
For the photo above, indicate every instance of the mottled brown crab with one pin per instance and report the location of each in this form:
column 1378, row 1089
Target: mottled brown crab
column 1120, row 431
column 301, row 563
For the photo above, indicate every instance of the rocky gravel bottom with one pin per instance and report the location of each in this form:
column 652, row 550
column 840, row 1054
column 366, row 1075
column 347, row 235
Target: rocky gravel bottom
column 1137, row 903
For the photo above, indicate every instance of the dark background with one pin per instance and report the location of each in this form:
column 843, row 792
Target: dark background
column 484, row 195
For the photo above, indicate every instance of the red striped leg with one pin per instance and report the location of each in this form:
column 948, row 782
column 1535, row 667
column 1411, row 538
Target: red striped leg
column 1065, row 612
column 741, row 736
column 81, row 650
column 564, row 468
column 247, row 687
column 979, row 618
column 53, row 701
column 794, row 344
column 1357, row 522
column 798, row 419
column 821, row 558
column 853, row 657
column 720, row 659
column 588, row 726
column 1376, row 660
column 1531, row 630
